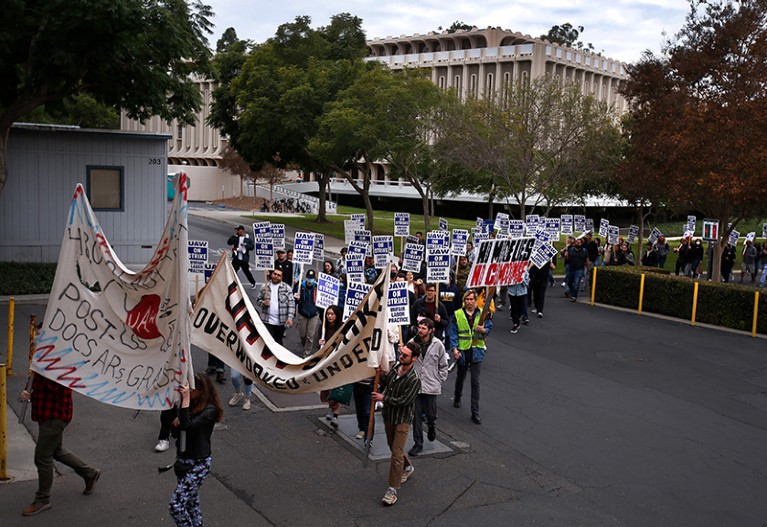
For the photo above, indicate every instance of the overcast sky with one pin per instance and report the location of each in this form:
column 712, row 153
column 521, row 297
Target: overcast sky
column 620, row 29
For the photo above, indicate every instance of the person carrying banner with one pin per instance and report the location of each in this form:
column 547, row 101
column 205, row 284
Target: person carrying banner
column 398, row 392
column 241, row 246
column 431, row 367
column 52, row 409
column 277, row 305
column 199, row 411
column 466, row 339
column 308, row 314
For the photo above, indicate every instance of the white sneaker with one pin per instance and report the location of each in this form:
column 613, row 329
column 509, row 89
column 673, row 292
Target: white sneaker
column 236, row 398
column 162, row 445
column 329, row 415
column 360, row 435
column 379, row 405
column 246, row 404
column 334, row 422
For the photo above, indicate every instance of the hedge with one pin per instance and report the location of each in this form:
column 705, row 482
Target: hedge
column 719, row 304
column 26, row 278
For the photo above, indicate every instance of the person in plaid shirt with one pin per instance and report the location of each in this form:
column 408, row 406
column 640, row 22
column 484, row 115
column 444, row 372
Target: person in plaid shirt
column 278, row 306
column 52, row 410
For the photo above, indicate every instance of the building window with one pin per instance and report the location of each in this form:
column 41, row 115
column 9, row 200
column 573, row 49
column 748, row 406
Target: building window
column 105, row 187
column 473, row 86
column 490, row 87
column 441, row 82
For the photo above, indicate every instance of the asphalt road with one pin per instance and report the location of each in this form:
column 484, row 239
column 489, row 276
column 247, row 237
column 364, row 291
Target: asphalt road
column 591, row 417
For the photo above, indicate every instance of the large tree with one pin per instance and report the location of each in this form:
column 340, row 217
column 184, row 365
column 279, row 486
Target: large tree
column 699, row 116
column 272, row 100
column 132, row 54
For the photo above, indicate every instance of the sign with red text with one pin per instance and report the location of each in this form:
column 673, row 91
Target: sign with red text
column 500, row 262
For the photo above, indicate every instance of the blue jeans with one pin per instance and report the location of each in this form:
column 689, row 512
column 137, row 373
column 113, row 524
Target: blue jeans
column 573, row 281
column 763, row 279
column 237, row 383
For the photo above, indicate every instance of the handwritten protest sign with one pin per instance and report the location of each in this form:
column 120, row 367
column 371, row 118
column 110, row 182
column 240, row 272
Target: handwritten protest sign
column 500, row 262
column 328, row 287
column 118, row 336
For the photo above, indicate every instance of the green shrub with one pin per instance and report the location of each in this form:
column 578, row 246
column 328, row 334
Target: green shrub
column 26, row 278
column 720, row 304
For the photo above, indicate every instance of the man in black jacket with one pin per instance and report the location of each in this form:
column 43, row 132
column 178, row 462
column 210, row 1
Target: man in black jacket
column 241, row 246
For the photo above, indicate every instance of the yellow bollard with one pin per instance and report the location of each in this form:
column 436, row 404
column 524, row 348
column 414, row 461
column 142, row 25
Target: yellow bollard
column 11, row 314
column 756, row 312
column 641, row 294
column 3, row 427
column 694, row 303
column 593, row 285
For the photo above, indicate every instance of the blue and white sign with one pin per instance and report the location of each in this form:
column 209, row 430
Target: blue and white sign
column 355, row 270
column 589, row 225
column 654, row 235
column 552, row 226
column 531, row 223
column 734, row 236
column 580, row 223
column 633, row 234
column 516, row 228
column 383, row 251
column 364, row 236
column 278, row 236
column 542, row 255
column 263, row 254
column 355, row 293
column 460, row 238
column 443, row 224
column 328, row 288
column 359, row 219
column 401, row 224
column 262, row 229
column 208, row 269
column 411, row 260
column 398, row 304
column 303, row 248
column 198, row 255
column 438, row 265
column 613, row 233
column 566, row 224
column 437, row 239
column 604, row 226
column 319, row 247
column 357, row 251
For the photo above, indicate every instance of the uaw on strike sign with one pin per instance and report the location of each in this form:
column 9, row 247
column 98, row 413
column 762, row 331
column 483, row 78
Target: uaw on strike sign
column 500, row 262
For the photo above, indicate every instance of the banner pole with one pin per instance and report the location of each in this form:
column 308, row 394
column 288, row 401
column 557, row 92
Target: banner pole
column 756, row 312
column 11, row 315
column 30, row 373
column 371, row 420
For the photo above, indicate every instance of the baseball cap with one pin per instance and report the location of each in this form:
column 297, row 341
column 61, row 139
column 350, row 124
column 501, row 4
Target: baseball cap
column 310, row 274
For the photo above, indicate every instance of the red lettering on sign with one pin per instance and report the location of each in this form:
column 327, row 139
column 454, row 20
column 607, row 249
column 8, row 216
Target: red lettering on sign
column 142, row 319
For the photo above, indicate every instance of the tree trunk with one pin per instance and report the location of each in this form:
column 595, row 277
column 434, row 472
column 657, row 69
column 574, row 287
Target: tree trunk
column 368, row 203
column 426, row 215
column 323, row 184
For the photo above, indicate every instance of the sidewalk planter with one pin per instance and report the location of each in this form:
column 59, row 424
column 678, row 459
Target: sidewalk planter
column 719, row 304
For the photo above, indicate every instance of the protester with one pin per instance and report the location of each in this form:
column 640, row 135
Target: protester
column 539, row 281
column 466, row 339
column 431, row 367
column 650, row 256
column 461, row 276
column 241, row 245
column 52, row 410
column 328, row 269
column 693, row 259
column 518, row 302
column 332, row 323
column 163, row 438
column 624, row 256
column 576, row 260
column 199, row 412
column 436, row 311
column 748, row 264
column 398, row 392
column 308, row 314
column 727, row 261
column 277, row 305
column 285, row 266
column 681, row 254
column 341, row 262
column 763, row 265
column 662, row 248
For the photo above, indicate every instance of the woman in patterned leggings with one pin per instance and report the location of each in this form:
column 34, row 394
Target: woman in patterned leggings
column 199, row 412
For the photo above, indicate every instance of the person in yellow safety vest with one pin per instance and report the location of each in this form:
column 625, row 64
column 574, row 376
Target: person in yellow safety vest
column 466, row 341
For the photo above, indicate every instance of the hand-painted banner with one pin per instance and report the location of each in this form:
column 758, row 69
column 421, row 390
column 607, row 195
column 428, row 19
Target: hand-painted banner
column 402, row 224
column 328, row 288
column 411, row 260
column 226, row 325
column 500, row 262
column 114, row 335
column 398, row 304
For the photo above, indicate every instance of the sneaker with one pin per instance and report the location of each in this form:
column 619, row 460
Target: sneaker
column 379, row 405
column 162, row 445
column 416, row 450
column 407, row 473
column 334, row 421
column 514, row 329
column 564, row 284
column 329, row 415
column 567, row 294
column 220, row 378
column 573, row 299
column 253, row 286
column 540, row 314
column 246, row 404
column 533, row 310
column 499, row 308
column 431, row 435
column 390, row 498
column 38, row 507
column 526, row 321
column 91, row 482
column 236, row 398
column 360, row 435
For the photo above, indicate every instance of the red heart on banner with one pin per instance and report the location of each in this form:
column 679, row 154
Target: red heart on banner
column 142, row 319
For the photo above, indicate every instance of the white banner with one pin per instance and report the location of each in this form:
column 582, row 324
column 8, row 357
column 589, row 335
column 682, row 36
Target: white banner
column 226, row 325
column 117, row 336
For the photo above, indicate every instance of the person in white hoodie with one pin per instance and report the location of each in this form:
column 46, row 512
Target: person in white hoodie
column 431, row 368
